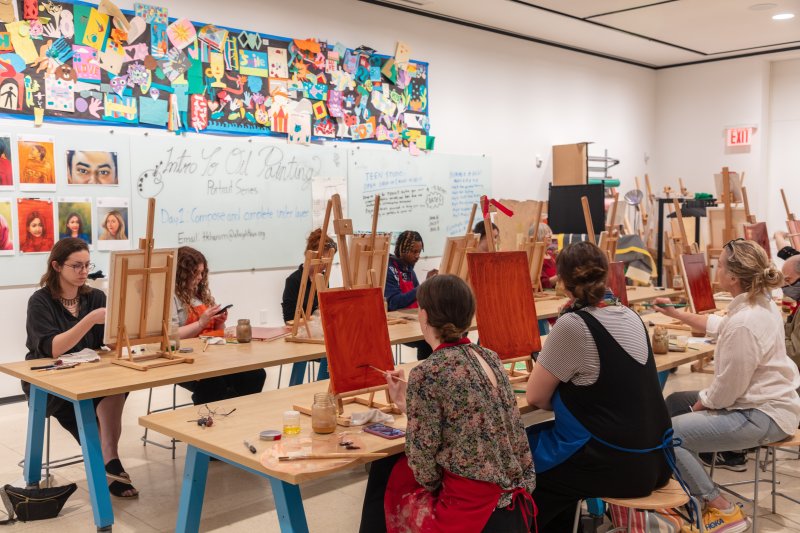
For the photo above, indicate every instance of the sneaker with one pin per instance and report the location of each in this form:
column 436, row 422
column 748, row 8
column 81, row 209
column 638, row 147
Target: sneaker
column 716, row 521
column 735, row 461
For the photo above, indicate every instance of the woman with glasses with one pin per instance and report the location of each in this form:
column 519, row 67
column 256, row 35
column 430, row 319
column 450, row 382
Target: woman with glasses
column 752, row 399
column 65, row 315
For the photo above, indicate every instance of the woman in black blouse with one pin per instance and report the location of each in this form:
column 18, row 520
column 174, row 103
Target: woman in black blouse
column 64, row 316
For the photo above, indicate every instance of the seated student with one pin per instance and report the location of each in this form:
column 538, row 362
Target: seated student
column 791, row 289
column 291, row 290
column 483, row 243
column 545, row 234
column 401, row 280
column 467, row 465
column 65, row 316
column 596, row 372
column 752, row 399
column 197, row 314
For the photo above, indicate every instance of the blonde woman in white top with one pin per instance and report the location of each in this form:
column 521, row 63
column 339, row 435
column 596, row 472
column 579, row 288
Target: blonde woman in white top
column 753, row 398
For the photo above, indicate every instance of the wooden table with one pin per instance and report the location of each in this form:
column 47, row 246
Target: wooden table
column 255, row 413
column 93, row 380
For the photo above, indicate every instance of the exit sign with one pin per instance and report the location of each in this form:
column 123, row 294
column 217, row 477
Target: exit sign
column 738, row 136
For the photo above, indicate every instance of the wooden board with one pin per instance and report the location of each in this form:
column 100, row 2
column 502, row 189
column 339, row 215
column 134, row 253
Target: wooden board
column 454, row 260
column 134, row 298
column 696, row 279
column 511, row 228
column 716, row 223
column 616, row 280
column 571, row 164
column 758, row 232
column 506, row 312
column 359, row 258
column 794, row 232
column 356, row 334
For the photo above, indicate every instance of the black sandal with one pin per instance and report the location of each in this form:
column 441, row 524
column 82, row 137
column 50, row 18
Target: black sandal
column 121, row 481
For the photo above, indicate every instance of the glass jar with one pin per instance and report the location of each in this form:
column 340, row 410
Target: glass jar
column 174, row 338
column 323, row 413
column 244, row 333
column 677, row 281
column 291, row 423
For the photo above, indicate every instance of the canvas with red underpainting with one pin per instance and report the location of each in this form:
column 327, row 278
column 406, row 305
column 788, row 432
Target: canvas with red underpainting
column 356, row 336
column 35, row 223
column 616, row 281
column 506, row 312
column 758, row 232
column 698, row 283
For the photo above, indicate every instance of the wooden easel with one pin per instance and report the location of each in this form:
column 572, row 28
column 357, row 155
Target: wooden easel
column 729, row 233
column 536, row 249
column 753, row 230
column 369, row 255
column 607, row 243
column 792, row 224
column 684, row 190
column 313, row 262
column 165, row 356
column 456, row 250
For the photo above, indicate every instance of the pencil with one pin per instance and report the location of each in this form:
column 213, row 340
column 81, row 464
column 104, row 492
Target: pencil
column 206, row 345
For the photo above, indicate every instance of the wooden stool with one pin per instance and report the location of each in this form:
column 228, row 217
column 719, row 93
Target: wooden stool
column 667, row 497
column 772, row 447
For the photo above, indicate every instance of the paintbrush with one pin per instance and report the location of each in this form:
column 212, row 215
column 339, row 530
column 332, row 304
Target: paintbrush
column 384, row 372
column 680, row 327
column 333, row 455
column 648, row 304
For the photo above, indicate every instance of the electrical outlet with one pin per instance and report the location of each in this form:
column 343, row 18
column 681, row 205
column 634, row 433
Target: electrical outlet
column 262, row 316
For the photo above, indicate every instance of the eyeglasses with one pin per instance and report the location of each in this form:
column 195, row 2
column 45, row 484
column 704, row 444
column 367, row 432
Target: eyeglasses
column 729, row 244
column 80, row 267
column 207, row 416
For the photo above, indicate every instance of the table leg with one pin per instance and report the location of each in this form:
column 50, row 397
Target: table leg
column 37, row 407
column 298, row 372
column 190, row 507
column 289, row 504
column 95, row 466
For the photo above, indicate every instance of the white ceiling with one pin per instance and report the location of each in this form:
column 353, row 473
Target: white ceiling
column 645, row 32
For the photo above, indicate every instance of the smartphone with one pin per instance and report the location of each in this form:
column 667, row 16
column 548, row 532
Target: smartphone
column 224, row 309
column 384, row 431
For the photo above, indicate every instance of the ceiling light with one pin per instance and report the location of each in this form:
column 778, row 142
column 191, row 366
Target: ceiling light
column 763, row 7
column 783, row 16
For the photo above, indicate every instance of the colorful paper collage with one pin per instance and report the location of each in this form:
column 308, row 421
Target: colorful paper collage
column 101, row 65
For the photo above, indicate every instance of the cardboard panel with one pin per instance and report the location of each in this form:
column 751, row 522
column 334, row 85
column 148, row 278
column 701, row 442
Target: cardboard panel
column 758, row 232
column 616, row 280
column 506, row 312
column 570, row 164
column 356, row 334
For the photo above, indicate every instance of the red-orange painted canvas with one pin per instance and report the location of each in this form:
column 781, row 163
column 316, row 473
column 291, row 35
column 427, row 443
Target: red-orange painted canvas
column 758, row 232
column 697, row 280
column 616, row 281
column 506, row 312
column 356, row 334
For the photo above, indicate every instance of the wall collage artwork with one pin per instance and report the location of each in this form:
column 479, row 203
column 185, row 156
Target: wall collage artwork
column 79, row 63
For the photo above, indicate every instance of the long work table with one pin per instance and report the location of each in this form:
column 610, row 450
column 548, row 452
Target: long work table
column 262, row 411
column 81, row 384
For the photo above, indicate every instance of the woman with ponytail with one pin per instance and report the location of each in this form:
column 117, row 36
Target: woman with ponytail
column 467, row 466
column 753, row 398
column 596, row 372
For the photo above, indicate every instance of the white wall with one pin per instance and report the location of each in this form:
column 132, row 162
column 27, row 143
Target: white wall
column 489, row 94
column 783, row 155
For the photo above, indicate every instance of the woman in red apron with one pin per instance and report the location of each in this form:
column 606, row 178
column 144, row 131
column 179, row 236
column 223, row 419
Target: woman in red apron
column 196, row 314
column 401, row 280
column 468, row 467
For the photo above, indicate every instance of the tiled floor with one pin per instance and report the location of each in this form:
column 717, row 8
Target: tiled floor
column 237, row 501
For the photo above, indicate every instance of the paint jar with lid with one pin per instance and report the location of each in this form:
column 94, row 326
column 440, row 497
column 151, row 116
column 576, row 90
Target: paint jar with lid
column 323, row 413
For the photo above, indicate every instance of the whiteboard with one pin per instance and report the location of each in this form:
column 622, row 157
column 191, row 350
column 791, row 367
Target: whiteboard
column 27, row 269
column 244, row 203
column 431, row 193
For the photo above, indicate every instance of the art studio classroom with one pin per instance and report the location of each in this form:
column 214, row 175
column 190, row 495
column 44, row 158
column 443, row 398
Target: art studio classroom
column 400, row 266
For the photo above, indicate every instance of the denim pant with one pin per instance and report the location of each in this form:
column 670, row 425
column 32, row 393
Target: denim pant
column 714, row 431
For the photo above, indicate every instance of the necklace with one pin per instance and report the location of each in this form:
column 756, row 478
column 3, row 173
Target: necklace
column 69, row 302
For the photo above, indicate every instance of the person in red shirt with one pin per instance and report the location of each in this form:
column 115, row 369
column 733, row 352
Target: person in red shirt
column 545, row 234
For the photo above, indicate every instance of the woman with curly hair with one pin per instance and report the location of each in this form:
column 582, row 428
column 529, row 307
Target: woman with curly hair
column 402, row 283
column 196, row 313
